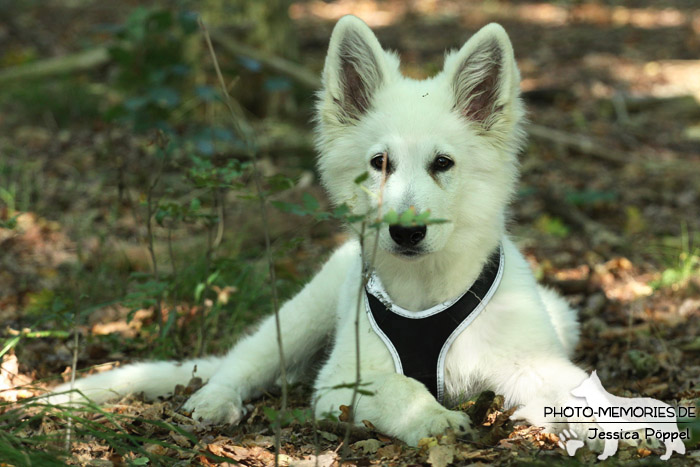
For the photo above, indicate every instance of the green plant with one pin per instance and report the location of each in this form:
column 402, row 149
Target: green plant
column 152, row 72
column 67, row 100
column 684, row 259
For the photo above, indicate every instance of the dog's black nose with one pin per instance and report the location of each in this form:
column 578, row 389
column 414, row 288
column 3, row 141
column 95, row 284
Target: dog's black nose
column 407, row 236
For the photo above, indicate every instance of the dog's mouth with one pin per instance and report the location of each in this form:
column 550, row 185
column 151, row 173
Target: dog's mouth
column 408, row 253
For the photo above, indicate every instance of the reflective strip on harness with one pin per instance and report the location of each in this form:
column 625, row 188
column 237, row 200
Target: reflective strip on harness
column 419, row 341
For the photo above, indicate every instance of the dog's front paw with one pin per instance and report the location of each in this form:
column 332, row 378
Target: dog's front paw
column 215, row 404
column 438, row 423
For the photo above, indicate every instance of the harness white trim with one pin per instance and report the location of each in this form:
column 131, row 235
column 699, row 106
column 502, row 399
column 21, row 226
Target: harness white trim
column 463, row 325
column 376, row 288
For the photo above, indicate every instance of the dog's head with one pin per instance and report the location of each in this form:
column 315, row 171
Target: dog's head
column 451, row 140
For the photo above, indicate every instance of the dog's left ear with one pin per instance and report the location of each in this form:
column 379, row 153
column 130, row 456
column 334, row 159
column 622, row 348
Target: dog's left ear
column 485, row 81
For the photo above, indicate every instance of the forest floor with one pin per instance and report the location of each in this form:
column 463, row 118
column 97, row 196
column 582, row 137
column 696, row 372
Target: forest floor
column 608, row 213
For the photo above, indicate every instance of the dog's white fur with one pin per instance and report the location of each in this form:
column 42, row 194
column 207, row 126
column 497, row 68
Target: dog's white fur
column 519, row 346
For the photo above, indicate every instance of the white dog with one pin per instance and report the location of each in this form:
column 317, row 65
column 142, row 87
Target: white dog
column 451, row 143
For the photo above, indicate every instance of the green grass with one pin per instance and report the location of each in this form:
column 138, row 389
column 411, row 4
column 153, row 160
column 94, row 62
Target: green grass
column 62, row 101
column 682, row 258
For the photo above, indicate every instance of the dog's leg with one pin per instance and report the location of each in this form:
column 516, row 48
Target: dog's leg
column 398, row 406
column 564, row 318
column 253, row 363
column 543, row 381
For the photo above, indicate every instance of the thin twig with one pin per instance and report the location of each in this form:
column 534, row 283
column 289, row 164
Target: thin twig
column 367, row 270
column 170, row 251
column 173, row 263
column 221, row 225
column 74, row 371
column 162, row 143
column 248, row 136
column 175, row 337
column 212, row 245
column 357, row 433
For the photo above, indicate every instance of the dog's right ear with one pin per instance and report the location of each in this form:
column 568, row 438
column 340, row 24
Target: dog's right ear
column 356, row 67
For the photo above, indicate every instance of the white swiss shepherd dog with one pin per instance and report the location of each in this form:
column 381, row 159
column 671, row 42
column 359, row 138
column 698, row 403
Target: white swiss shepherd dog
column 452, row 142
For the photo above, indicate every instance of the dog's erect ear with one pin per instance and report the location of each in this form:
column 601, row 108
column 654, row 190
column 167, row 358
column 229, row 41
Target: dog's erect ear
column 485, row 79
column 356, row 66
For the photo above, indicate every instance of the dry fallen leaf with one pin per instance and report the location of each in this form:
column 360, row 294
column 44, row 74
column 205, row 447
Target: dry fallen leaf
column 328, row 436
column 389, row 452
column 441, row 455
column 327, row 459
column 367, row 446
column 180, row 440
column 344, row 413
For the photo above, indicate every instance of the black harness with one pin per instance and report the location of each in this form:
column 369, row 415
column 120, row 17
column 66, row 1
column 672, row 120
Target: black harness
column 419, row 341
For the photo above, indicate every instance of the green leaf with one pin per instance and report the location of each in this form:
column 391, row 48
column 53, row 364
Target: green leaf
column 160, row 216
column 212, row 277
column 437, row 221
column 9, row 344
column 422, row 218
column 391, row 217
column 10, row 223
column 310, row 202
column 279, row 183
column 341, row 211
column 198, row 291
column 406, row 217
column 361, row 178
column 302, row 415
column 291, row 208
column 270, row 413
column 195, row 205
column 164, row 96
column 552, row 226
column 590, row 197
column 356, row 218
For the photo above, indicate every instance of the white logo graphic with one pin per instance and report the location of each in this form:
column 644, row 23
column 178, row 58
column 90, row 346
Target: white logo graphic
column 570, row 442
column 624, row 418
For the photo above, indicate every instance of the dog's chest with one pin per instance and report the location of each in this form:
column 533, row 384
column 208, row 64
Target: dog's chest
column 419, row 341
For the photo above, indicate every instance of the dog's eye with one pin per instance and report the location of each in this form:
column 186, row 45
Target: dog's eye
column 441, row 164
column 378, row 160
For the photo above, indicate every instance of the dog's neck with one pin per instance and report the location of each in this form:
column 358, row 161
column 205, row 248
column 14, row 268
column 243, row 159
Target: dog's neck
column 416, row 285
